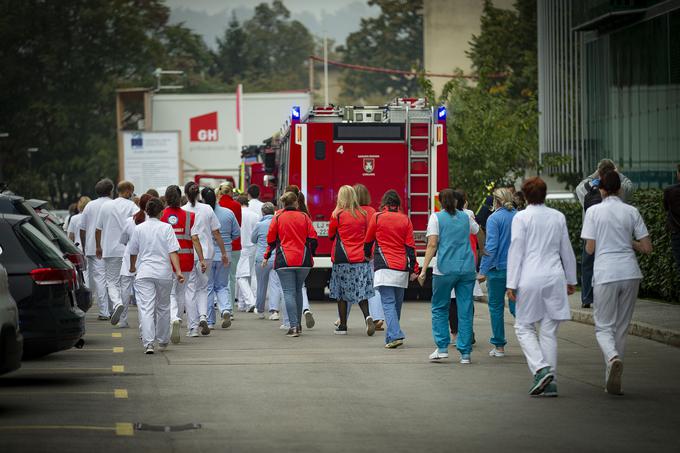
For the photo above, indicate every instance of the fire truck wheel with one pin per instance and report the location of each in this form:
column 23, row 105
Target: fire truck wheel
column 411, row 294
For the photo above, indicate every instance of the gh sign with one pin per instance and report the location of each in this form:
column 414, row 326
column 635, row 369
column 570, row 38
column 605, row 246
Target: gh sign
column 203, row 128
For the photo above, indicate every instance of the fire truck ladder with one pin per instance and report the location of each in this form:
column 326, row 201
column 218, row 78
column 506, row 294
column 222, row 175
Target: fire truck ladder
column 418, row 137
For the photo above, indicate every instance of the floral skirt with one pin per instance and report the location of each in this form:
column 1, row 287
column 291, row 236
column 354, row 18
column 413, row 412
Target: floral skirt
column 352, row 282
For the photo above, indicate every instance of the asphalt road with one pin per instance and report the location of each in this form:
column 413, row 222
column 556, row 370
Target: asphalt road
column 252, row 389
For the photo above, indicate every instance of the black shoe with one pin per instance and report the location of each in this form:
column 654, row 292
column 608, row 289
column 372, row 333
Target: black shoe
column 585, row 305
column 341, row 330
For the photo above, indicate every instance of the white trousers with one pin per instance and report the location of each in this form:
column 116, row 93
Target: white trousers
column 540, row 348
column 112, row 276
column 97, row 284
column 246, row 297
column 178, row 297
column 197, row 294
column 126, row 285
column 153, row 306
column 274, row 292
column 613, row 305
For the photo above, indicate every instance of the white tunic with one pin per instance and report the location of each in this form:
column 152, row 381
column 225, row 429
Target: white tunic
column 88, row 223
column 613, row 224
column 248, row 222
column 541, row 262
column 255, row 205
column 153, row 241
column 205, row 222
column 74, row 227
column 128, row 229
column 111, row 221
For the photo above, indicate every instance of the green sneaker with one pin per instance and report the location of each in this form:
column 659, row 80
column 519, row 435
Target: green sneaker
column 550, row 390
column 542, row 378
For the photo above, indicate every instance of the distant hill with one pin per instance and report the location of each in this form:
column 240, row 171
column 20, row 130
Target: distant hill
column 339, row 24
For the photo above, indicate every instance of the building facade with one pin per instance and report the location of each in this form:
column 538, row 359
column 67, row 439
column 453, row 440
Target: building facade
column 609, row 85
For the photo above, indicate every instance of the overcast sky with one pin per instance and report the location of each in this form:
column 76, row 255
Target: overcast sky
column 338, row 18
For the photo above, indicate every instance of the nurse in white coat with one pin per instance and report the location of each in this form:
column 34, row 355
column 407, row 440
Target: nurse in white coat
column 541, row 275
column 609, row 229
column 246, row 262
column 153, row 247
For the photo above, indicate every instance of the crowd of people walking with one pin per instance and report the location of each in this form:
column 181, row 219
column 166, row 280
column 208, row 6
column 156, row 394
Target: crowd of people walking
column 191, row 255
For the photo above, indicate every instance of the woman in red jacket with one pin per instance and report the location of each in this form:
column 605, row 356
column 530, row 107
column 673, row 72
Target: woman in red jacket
column 395, row 261
column 351, row 276
column 293, row 237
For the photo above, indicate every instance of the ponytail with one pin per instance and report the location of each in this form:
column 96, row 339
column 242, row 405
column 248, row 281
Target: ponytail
column 191, row 192
column 140, row 216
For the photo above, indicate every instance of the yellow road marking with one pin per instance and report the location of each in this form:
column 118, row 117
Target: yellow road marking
column 113, row 335
column 120, row 393
column 116, row 335
column 124, row 429
column 118, row 368
column 51, row 393
column 68, row 369
column 118, row 350
column 121, row 429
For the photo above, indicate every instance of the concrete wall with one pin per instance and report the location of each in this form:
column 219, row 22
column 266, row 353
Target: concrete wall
column 448, row 28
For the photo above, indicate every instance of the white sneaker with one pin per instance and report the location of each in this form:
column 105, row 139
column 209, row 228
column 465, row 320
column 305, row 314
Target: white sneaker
column 496, row 353
column 437, row 356
column 162, row 346
column 203, row 326
column 274, row 316
column 260, row 316
column 122, row 325
column 174, row 334
column 284, row 327
column 226, row 319
column 193, row 333
column 614, row 372
column 148, row 349
column 211, row 326
column 115, row 316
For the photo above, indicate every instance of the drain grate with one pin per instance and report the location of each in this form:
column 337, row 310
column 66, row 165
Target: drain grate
column 166, row 428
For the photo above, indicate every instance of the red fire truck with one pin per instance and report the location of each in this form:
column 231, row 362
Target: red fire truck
column 399, row 146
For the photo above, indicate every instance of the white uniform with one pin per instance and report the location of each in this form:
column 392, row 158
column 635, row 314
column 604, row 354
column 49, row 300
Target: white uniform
column 111, row 222
column 255, row 205
column 246, row 263
column 95, row 266
column 127, row 279
column 541, row 263
column 153, row 241
column 612, row 224
column 196, row 294
column 74, row 229
column 179, row 290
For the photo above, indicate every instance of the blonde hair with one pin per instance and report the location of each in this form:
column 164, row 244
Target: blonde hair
column 347, row 201
column 288, row 199
column 82, row 202
column 503, row 198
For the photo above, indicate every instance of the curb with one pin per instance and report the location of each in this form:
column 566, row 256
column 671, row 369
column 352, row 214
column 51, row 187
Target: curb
column 637, row 328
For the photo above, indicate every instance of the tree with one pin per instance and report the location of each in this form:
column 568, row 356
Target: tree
column 492, row 139
column 62, row 62
column 506, row 45
column 394, row 39
column 268, row 52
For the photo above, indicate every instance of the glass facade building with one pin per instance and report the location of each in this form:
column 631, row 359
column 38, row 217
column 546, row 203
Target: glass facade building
column 628, row 77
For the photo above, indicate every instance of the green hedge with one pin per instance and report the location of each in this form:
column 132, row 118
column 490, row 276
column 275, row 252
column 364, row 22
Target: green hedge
column 661, row 277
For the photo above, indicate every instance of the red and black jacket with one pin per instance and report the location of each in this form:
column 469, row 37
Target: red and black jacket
column 348, row 233
column 293, row 237
column 392, row 233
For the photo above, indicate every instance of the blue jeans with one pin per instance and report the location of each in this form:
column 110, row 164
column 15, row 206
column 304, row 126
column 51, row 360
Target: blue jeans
column 587, row 262
column 292, row 280
column 262, row 275
column 496, row 280
column 392, row 298
column 219, row 288
column 442, row 285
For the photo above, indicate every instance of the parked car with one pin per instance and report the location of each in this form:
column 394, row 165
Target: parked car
column 11, row 341
column 42, row 283
column 73, row 253
column 14, row 204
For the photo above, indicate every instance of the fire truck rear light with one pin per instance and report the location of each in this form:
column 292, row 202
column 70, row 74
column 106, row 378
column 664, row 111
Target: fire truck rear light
column 298, row 134
column 439, row 134
column 51, row 276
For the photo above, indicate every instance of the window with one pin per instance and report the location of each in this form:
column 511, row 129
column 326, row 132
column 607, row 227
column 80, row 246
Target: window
column 376, row 132
column 319, row 150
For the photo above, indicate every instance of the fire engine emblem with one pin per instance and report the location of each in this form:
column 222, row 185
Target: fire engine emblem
column 172, row 220
column 369, row 165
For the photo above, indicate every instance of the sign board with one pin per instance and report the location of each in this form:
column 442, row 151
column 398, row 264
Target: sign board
column 207, row 124
column 151, row 159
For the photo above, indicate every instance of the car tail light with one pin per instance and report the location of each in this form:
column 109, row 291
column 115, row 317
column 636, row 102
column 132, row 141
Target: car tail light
column 77, row 259
column 51, row 276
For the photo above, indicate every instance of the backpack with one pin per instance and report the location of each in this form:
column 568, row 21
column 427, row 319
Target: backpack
column 593, row 195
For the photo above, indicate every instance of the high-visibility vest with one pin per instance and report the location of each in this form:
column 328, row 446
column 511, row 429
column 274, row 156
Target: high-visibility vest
column 181, row 222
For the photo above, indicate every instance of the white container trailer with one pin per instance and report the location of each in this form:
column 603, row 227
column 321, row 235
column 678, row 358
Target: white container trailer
column 207, row 124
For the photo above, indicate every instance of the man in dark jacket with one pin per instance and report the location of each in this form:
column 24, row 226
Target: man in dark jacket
column 671, row 203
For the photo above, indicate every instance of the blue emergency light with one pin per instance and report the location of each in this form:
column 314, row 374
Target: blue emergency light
column 295, row 112
column 441, row 113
